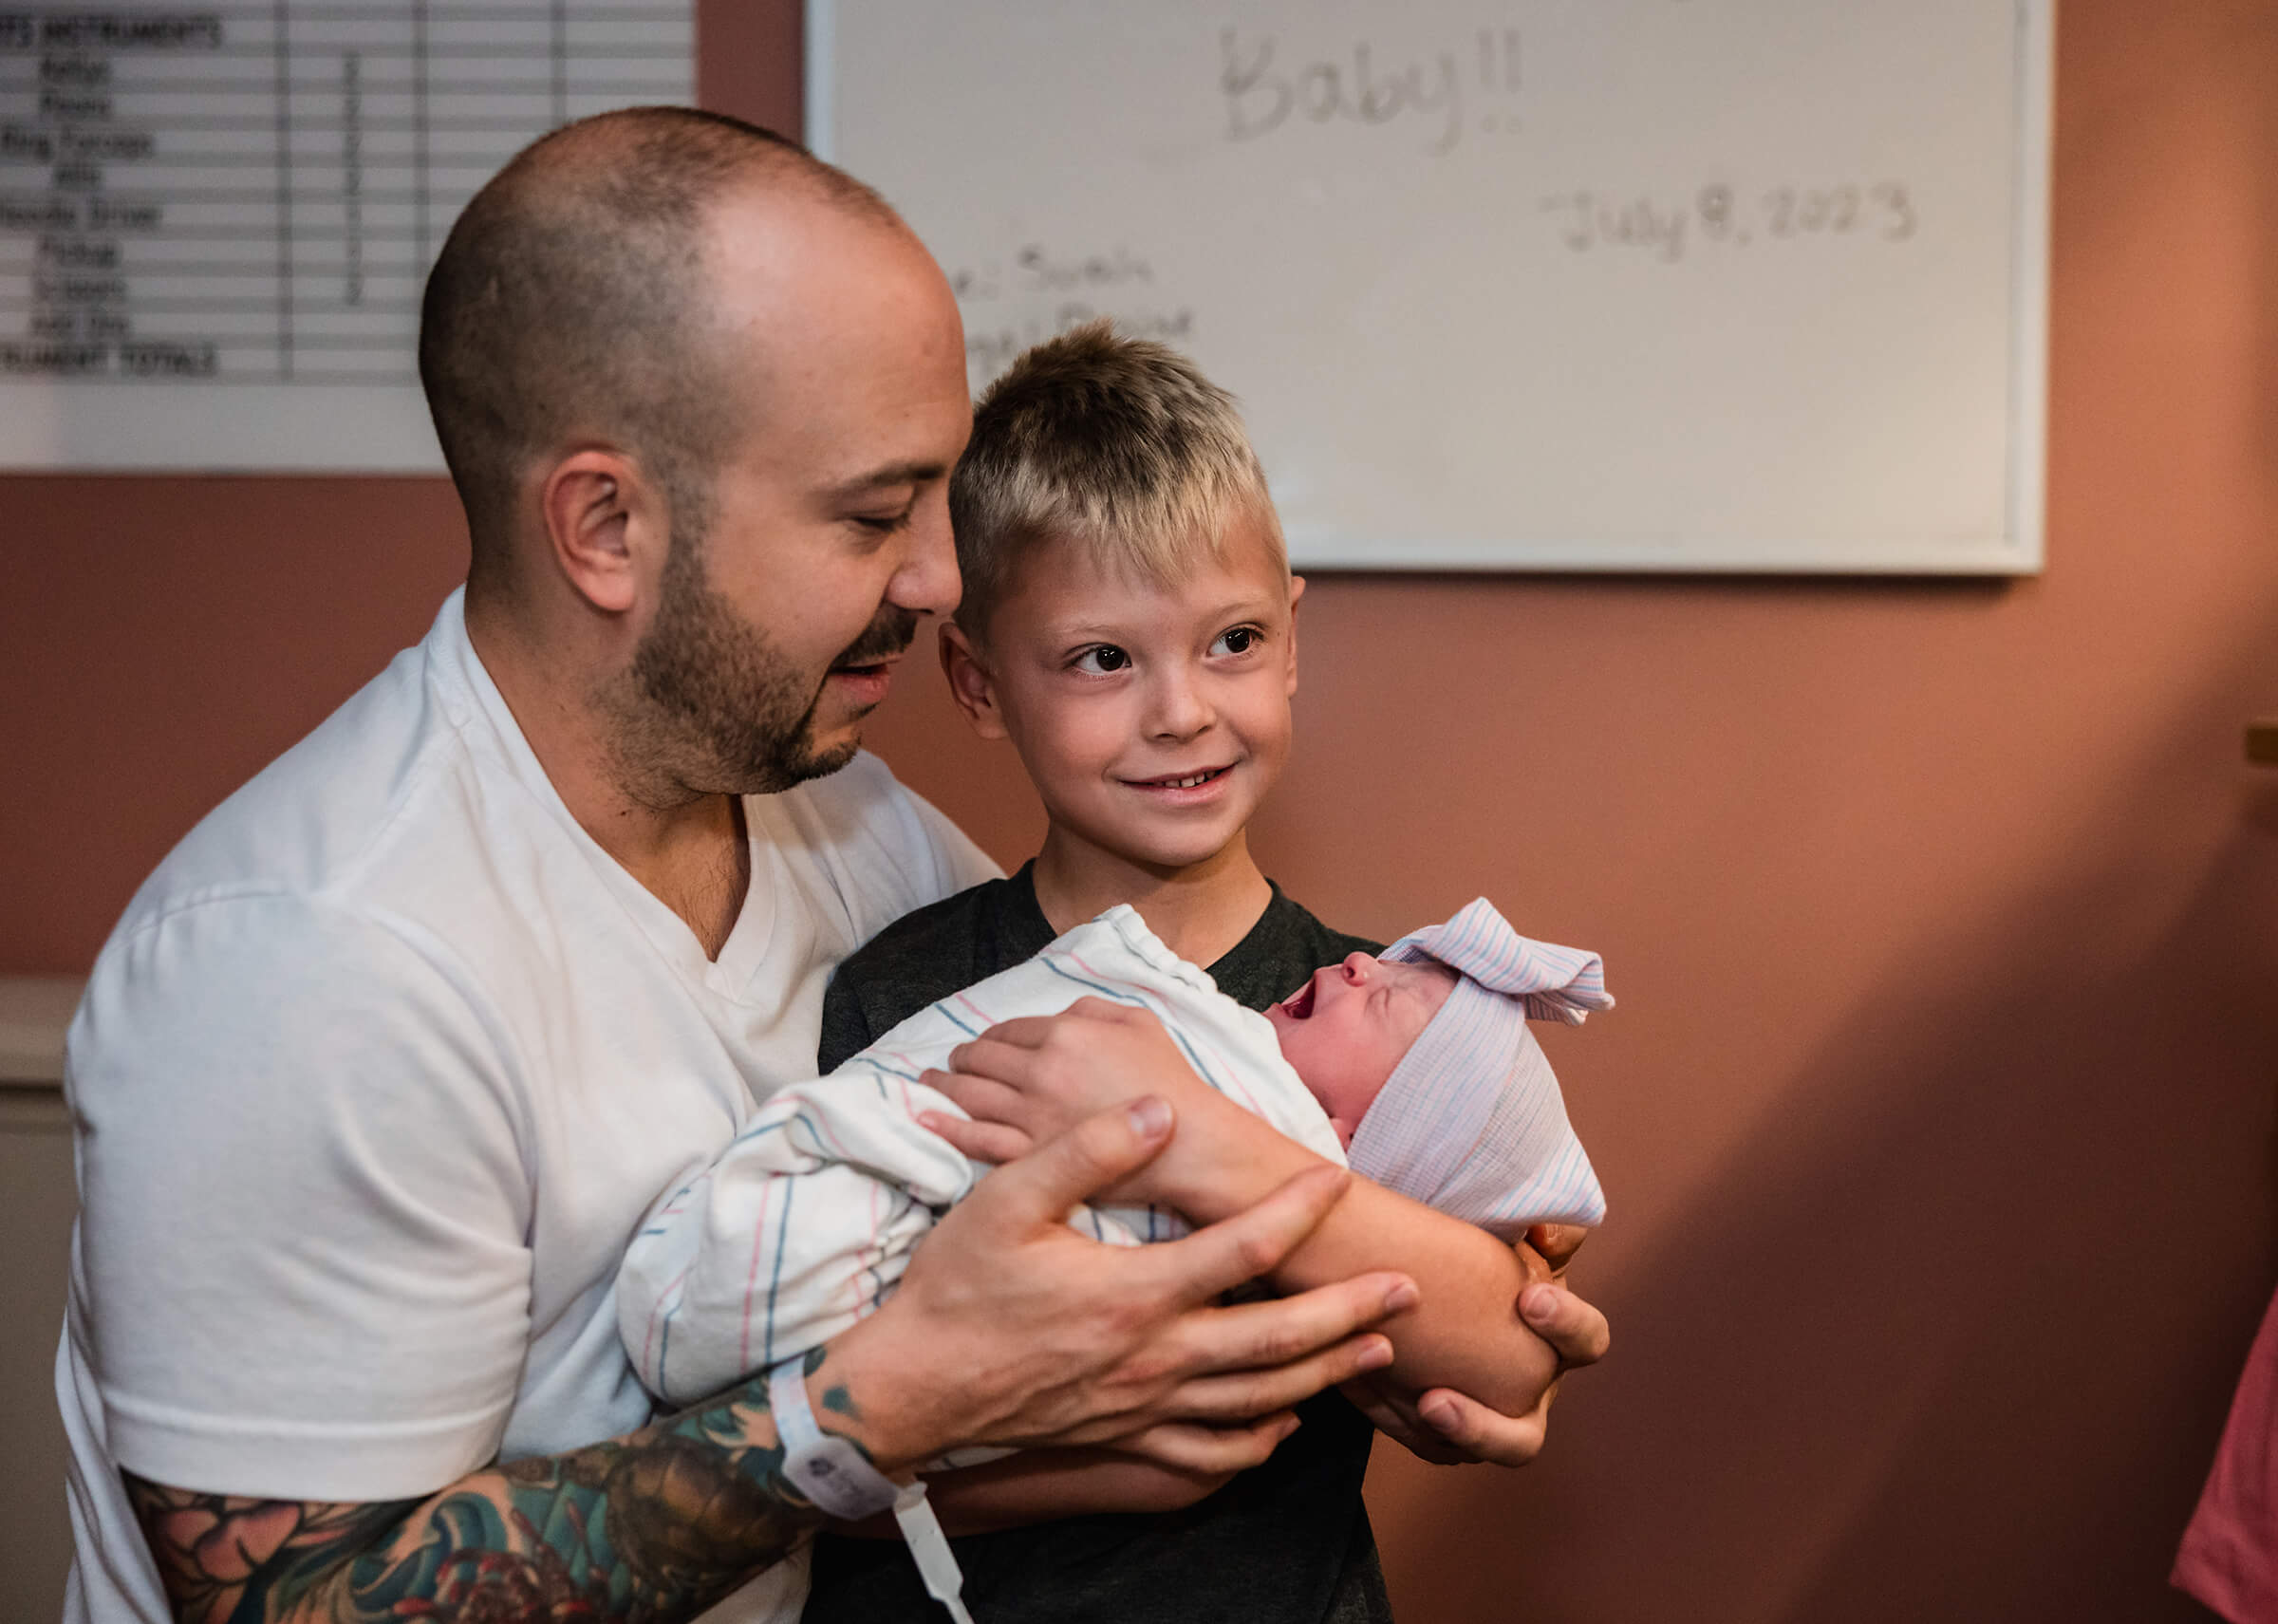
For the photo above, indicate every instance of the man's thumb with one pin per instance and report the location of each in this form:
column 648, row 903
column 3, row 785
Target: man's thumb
column 1069, row 1169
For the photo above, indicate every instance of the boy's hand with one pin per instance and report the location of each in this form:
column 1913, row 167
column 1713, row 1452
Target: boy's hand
column 1555, row 1244
column 1451, row 1428
column 1028, row 1080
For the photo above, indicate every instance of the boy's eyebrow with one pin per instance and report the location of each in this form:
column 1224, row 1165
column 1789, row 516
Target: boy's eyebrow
column 1063, row 631
column 1255, row 603
column 913, row 471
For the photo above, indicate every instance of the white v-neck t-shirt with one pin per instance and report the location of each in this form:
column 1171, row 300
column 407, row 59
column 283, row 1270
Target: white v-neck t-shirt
column 373, row 1082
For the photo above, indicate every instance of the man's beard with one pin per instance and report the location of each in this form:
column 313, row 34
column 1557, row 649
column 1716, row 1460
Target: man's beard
column 717, row 707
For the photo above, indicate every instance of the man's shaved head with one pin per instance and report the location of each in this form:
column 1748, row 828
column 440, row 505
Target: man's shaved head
column 574, row 298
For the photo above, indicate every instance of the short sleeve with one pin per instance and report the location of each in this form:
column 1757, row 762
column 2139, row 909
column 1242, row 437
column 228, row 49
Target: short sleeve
column 303, row 1199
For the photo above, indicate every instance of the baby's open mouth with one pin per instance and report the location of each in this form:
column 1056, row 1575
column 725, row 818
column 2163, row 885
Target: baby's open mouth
column 1299, row 1003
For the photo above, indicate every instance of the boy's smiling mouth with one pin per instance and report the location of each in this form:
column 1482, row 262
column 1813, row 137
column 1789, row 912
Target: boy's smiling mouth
column 1180, row 780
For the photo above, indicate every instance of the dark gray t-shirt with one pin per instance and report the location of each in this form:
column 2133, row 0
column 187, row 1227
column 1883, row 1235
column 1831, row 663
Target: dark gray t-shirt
column 1287, row 1543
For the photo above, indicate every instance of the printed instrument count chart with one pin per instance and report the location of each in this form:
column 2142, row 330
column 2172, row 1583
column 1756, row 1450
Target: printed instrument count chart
column 216, row 222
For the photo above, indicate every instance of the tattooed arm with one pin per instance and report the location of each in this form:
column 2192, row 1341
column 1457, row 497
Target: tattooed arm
column 1009, row 1328
column 647, row 1527
column 655, row 1525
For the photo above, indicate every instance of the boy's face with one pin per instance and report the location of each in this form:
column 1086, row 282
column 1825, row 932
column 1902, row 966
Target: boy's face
column 1346, row 1028
column 1152, row 719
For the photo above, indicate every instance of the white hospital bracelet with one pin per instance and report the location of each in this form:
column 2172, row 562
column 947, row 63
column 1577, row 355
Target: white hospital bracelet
column 930, row 1548
column 828, row 1470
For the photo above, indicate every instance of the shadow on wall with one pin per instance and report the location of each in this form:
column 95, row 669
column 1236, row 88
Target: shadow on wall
column 1992, row 1239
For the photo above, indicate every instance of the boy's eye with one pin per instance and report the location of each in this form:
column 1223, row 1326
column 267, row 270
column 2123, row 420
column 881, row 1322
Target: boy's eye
column 1101, row 659
column 1236, row 639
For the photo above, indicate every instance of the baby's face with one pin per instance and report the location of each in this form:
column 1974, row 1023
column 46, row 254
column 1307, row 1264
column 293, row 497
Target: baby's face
column 1347, row 1028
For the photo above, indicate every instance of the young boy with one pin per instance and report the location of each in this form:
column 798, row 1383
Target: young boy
column 1129, row 623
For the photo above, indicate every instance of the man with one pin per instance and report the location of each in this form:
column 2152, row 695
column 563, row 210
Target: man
column 384, row 1063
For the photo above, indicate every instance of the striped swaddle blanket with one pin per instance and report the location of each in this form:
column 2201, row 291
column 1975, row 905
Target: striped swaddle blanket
column 807, row 1219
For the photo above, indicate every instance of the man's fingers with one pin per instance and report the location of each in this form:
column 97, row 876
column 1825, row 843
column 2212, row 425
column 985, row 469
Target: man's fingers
column 1211, row 1449
column 1254, row 1241
column 1577, row 1331
column 982, row 1141
column 1260, row 1356
column 1068, row 1168
column 1234, row 1394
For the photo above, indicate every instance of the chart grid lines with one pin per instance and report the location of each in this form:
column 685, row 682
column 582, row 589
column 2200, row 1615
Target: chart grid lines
column 251, row 194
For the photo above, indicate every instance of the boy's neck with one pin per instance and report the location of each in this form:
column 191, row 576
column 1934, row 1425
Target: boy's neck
column 1200, row 912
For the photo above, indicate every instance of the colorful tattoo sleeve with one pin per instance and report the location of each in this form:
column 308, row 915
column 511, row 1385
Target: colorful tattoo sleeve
column 648, row 1529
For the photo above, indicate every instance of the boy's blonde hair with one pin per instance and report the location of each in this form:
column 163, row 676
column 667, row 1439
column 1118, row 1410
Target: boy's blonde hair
column 1117, row 445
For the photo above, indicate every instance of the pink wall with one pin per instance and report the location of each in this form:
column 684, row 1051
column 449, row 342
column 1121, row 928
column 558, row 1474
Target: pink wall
column 1937, row 1116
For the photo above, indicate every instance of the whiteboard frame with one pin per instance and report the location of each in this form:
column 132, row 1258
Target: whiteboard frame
column 2022, row 552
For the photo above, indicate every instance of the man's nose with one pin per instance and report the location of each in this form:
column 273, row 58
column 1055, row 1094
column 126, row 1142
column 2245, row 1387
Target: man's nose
column 927, row 581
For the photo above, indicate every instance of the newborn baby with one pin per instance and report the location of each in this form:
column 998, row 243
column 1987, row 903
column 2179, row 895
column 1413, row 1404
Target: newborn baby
column 1417, row 1068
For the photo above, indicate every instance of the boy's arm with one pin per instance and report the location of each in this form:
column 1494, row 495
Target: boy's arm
column 1450, row 1430
column 1043, row 1486
column 1467, row 1333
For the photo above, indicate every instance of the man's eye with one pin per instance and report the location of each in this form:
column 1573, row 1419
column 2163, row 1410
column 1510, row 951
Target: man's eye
column 882, row 524
column 1236, row 639
column 1101, row 659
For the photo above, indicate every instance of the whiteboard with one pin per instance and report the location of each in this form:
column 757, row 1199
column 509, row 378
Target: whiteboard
column 215, row 224
column 1622, row 285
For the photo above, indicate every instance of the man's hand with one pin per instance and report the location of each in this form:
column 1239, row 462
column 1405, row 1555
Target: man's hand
column 1010, row 1328
column 1448, row 1429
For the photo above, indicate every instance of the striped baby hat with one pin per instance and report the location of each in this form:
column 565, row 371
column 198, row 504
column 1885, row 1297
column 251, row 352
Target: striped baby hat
column 1472, row 1114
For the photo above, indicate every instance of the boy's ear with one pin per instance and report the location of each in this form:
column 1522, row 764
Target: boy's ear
column 1296, row 590
column 970, row 683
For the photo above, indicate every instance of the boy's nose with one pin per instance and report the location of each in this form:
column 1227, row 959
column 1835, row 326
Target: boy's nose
column 1181, row 709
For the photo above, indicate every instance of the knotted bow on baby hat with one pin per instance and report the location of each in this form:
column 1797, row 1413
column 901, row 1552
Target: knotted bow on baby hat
column 1472, row 1113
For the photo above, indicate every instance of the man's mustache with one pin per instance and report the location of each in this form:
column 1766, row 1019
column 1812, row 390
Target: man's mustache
column 889, row 634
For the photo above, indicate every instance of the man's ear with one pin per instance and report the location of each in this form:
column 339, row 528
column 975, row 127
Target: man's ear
column 1296, row 590
column 607, row 528
column 970, row 683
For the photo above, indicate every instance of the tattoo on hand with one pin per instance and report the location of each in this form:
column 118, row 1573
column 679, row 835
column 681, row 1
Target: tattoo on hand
column 646, row 1529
